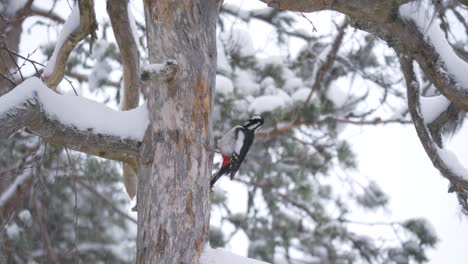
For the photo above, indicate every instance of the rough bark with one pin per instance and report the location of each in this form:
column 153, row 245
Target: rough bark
column 176, row 156
column 10, row 33
column 118, row 14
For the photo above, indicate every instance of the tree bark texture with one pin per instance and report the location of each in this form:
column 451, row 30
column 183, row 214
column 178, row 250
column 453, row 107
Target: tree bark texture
column 130, row 56
column 10, row 33
column 176, row 154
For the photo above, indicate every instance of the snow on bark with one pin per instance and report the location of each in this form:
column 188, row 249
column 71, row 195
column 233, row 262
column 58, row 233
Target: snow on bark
column 161, row 71
column 218, row 255
column 422, row 14
column 79, row 112
column 72, row 23
column 451, row 160
column 432, row 107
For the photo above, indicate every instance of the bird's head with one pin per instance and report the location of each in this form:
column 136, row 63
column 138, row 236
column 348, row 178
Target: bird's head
column 254, row 122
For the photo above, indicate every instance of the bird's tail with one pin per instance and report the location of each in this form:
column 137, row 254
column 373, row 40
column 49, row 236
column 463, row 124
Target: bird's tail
column 218, row 174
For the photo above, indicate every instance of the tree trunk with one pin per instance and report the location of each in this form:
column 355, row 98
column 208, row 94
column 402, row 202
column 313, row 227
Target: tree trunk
column 10, row 33
column 176, row 154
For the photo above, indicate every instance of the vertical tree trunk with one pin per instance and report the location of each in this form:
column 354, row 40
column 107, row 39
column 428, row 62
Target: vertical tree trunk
column 176, row 158
column 10, row 33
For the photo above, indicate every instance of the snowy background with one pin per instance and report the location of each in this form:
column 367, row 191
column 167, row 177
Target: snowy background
column 391, row 155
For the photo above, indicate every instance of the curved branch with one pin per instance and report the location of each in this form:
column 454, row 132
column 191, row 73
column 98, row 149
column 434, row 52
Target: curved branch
column 121, row 22
column 377, row 10
column 422, row 39
column 73, row 122
column 123, row 25
column 37, row 11
column 442, row 159
column 80, row 24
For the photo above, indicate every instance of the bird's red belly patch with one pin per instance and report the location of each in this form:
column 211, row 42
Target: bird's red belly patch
column 226, row 160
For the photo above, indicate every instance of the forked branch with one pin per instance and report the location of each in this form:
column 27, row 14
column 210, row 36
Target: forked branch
column 442, row 159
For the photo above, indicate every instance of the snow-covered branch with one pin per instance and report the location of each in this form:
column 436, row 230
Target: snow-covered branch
column 160, row 71
column 424, row 40
column 73, row 122
column 444, row 160
column 80, row 23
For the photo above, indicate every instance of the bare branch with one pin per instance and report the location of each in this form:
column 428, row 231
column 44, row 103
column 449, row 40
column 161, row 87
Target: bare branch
column 323, row 69
column 73, row 32
column 37, row 11
column 45, row 233
column 83, row 78
column 40, row 110
column 360, row 122
column 124, row 29
column 326, row 65
column 107, row 202
column 267, row 17
column 121, row 25
column 459, row 182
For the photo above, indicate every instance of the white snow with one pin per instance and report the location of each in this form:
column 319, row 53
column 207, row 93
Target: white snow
column 268, row 103
column 72, row 23
column 300, row 95
column 432, row 107
column 80, row 112
column 157, row 69
column 451, row 160
column 293, row 84
column 239, row 42
column 25, row 217
column 421, row 13
column 13, row 230
column 222, row 62
column 245, row 82
column 221, row 256
column 224, row 85
column 337, row 95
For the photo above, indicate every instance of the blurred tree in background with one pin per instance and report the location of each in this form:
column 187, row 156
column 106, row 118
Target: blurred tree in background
column 301, row 181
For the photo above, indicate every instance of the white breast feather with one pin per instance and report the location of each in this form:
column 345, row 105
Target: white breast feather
column 227, row 143
column 239, row 142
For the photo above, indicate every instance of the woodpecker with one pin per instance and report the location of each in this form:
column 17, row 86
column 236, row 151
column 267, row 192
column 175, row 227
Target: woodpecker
column 234, row 146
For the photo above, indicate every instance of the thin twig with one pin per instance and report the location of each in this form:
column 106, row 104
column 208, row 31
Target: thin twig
column 310, row 21
column 110, row 204
column 75, row 209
